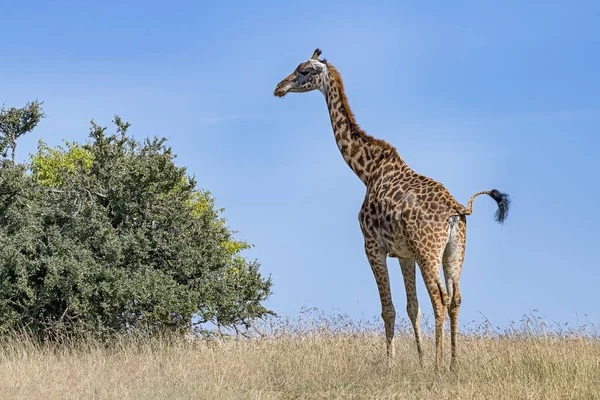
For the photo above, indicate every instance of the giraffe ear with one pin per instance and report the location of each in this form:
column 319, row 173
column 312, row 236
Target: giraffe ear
column 316, row 54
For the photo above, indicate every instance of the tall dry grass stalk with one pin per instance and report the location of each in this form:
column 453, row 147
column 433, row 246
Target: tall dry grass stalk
column 309, row 357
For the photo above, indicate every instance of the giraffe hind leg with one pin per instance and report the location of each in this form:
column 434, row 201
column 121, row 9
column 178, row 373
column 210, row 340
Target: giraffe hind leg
column 443, row 293
column 452, row 261
column 430, row 271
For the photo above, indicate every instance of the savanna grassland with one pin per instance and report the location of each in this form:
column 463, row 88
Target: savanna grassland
column 310, row 357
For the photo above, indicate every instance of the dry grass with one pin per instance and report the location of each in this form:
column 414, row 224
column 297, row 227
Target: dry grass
column 309, row 358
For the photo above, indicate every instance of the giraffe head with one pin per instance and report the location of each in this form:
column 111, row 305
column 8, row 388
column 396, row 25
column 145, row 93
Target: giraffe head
column 308, row 76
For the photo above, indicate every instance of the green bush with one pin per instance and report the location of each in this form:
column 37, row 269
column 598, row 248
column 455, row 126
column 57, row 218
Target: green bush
column 110, row 237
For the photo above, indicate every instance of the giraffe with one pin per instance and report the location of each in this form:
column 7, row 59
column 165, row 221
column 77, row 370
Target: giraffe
column 404, row 215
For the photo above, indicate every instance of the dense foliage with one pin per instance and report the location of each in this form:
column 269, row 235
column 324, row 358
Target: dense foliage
column 111, row 236
column 15, row 122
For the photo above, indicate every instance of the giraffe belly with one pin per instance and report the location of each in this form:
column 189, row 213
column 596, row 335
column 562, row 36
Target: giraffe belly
column 396, row 244
column 399, row 250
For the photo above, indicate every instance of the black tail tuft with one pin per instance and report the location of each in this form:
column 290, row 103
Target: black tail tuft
column 503, row 201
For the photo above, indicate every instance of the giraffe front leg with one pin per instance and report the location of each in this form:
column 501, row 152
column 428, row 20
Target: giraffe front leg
column 377, row 259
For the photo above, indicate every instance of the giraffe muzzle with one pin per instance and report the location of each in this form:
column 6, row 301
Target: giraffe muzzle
column 282, row 88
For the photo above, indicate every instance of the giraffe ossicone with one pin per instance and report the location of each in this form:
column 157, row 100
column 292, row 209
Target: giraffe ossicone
column 404, row 215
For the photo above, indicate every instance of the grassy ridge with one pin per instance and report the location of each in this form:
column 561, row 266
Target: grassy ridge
column 310, row 358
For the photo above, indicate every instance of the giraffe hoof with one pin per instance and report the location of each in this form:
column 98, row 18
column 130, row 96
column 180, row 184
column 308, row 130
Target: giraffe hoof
column 454, row 367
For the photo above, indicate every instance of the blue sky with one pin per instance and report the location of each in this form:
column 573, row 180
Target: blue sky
column 477, row 95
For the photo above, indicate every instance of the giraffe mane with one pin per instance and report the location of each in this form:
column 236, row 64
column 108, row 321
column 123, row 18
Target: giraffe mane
column 369, row 139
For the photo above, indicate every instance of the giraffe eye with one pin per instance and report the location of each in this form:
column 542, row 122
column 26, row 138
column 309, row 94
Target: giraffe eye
column 304, row 72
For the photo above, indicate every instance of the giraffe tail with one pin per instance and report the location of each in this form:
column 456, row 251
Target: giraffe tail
column 502, row 199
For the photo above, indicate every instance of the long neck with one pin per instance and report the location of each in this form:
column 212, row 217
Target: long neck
column 361, row 152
